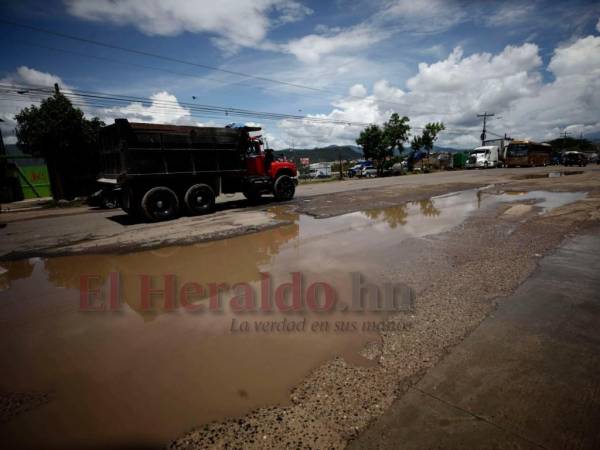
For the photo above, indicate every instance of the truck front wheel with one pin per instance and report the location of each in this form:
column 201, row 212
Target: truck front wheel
column 284, row 188
column 160, row 203
column 200, row 199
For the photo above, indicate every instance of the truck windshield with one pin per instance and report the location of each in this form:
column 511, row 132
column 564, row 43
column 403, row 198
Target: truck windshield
column 253, row 148
column 518, row 150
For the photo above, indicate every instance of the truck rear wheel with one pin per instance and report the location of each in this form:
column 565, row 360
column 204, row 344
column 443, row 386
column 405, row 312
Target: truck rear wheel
column 160, row 203
column 130, row 202
column 284, row 188
column 199, row 199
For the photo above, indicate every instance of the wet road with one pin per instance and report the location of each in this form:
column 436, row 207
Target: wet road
column 24, row 233
column 148, row 373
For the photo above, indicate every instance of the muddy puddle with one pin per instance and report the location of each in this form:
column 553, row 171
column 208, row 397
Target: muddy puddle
column 151, row 366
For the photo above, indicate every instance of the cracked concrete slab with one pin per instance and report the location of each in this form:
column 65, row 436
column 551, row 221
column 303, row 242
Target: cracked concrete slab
column 525, row 378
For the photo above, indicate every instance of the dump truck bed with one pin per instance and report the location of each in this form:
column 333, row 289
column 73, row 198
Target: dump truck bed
column 142, row 149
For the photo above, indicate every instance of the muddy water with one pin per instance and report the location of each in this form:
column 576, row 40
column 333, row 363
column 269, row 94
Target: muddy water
column 139, row 376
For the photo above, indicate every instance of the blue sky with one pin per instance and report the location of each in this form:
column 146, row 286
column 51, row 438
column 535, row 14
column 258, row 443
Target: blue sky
column 536, row 65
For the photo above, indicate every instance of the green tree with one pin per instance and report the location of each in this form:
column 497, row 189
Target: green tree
column 396, row 132
column 379, row 143
column 430, row 135
column 373, row 144
column 60, row 134
column 426, row 140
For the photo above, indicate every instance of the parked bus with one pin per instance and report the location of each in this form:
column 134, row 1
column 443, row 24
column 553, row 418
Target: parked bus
column 528, row 154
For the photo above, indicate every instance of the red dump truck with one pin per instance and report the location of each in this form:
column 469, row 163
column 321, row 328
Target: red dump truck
column 163, row 171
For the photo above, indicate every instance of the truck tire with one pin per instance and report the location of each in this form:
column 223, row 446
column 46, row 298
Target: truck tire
column 160, row 203
column 130, row 202
column 284, row 188
column 199, row 199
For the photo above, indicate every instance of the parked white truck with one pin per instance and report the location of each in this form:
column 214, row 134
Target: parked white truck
column 483, row 157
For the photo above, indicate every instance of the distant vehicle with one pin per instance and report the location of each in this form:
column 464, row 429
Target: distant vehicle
column 357, row 169
column 165, row 170
column 528, row 154
column 369, row 172
column 575, row 159
column 399, row 168
column 320, row 170
column 483, row 157
column 107, row 198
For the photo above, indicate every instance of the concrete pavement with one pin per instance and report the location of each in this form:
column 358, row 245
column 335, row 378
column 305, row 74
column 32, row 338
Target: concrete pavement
column 527, row 377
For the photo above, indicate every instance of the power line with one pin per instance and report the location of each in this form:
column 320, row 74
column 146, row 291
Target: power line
column 100, row 99
column 127, row 63
column 92, row 99
column 153, row 55
column 186, row 62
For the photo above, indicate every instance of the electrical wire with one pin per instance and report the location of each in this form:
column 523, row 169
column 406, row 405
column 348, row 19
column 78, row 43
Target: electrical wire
column 112, row 100
column 189, row 63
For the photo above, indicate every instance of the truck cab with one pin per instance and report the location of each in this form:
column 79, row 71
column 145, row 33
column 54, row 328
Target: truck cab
column 262, row 162
column 263, row 169
column 483, row 157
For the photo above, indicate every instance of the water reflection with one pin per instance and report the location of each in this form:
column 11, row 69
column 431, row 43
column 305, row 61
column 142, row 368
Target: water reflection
column 394, row 217
column 428, row 208
column 15, row 270
column 153, row 375
column 229, row 261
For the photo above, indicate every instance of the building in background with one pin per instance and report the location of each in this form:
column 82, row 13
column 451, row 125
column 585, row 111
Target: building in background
column 21, row 176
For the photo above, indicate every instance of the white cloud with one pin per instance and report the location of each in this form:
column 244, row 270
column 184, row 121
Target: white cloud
column 510, row 14
column 29, row 76
column 583, row 56
column 383, row 91
column 457, row 72
column 422, row 16
column 459, row 87
column 311, row 48
column 24, row 76
column 358, row 90
column 234, row 23
column 165, row 108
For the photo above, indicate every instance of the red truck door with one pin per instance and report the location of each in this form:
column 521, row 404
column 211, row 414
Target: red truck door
column 255, row 159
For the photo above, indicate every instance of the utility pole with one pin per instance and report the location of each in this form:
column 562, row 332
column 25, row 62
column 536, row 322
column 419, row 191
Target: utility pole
column 2, row 148
column 564, row 134
column 485, row 115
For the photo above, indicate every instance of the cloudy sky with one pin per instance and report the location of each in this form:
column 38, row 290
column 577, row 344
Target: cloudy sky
column 535, row 64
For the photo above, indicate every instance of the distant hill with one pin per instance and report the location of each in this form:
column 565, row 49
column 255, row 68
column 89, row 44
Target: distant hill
column 449, row 149
column 322, row 154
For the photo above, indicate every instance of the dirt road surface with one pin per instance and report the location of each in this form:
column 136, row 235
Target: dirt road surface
column 59, row 231
column 162, row 374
